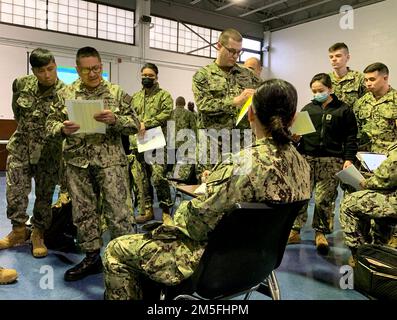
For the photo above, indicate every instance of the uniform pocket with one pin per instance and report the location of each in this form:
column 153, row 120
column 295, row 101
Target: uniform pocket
column 25, row 101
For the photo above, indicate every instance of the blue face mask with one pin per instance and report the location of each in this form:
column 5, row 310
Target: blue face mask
column 321, row 96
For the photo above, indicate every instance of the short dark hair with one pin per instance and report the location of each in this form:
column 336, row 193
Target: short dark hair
column 275, row 106
column 87, row 52
column 180, row 101
column 377, row 66
column 40, row 57
column 229, row 33
column 324, row 78
column 338, row 46
column 190, row 105
column 151, row 66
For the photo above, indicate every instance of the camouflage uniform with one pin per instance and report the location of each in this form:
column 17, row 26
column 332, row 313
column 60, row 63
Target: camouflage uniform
column 377, row 121
column 325, row 185
column 214, row 91
column 349, row 88
column 184, row 119
column 377, row 201
column 171, row 252
column 96, row 164
column 31, row 154
column 153, row 109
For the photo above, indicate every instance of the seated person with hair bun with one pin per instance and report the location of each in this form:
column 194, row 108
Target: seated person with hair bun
column 276, row 172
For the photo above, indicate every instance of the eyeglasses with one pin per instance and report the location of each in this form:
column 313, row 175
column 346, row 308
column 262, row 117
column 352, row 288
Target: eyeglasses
column 233, row 51
column 95, row 69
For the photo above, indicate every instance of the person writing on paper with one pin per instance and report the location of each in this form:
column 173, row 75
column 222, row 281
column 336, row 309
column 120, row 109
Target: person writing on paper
column 377, row 200
column 330, row 149
column 96, row 164
column 269, row 170
column 220, row 90
column 153, row 106
column 31, row 154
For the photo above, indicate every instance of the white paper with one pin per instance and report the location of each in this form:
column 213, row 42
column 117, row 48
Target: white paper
column 351, row 176
column 202, row 188
column 82, row 112
column 302, row 124
column 371, row 160
column 153, row 139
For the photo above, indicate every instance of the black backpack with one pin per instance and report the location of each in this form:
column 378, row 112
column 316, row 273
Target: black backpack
column 375, row 273
column 61, row 235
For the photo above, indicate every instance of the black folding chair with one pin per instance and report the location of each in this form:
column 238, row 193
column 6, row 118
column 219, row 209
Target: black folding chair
column 243, row 250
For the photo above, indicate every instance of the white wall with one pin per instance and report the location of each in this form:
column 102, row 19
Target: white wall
column 10, row 68
column 298, row 53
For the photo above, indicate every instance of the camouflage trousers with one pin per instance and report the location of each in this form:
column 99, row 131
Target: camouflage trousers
column 133, row 264
column 142, row 174
column 62, row 178
column 18, row 186
column 357, row 210
column 88, row 187
column 324, row 185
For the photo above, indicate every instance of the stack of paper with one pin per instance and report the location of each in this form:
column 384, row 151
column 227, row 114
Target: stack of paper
column 351, row 176
column 371, row 160
column 153, row 139
column 82, row 112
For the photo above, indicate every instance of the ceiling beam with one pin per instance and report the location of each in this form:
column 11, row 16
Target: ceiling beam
column 296, row 10
column 263, row 8
column 225, row 6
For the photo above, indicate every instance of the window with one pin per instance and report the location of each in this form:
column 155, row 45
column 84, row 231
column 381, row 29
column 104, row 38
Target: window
column 164, row 34
column 79, row 17
column 115, row 24
column 214, row 39
column 191, row 39
column 30, row 13
column 251, row 48
column 194, row 40
column 72, row 16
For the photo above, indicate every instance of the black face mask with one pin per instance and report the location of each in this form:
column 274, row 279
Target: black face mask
column 147, row 82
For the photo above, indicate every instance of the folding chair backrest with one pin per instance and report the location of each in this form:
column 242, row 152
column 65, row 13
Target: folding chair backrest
column 245, row 247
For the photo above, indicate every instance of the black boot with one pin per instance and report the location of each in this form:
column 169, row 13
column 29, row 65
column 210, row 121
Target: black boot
column 91, row 264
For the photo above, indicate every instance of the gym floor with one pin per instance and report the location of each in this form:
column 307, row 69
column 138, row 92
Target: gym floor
column 303, row 274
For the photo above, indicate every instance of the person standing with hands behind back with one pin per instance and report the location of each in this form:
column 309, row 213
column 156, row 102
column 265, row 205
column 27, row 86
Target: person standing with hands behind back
column 32, row 154
column 331, row 148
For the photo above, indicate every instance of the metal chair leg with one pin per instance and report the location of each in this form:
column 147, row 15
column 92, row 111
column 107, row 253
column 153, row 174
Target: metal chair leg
column 273, row 286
